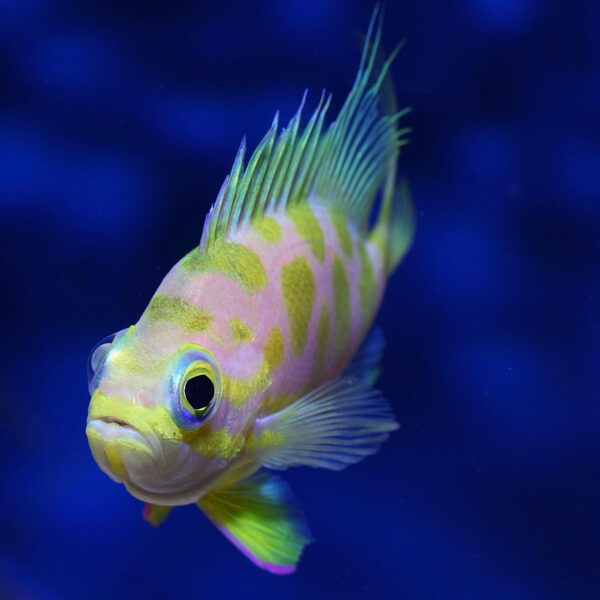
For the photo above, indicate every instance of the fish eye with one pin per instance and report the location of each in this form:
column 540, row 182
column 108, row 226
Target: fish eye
column 194, row 386
column 199, row 391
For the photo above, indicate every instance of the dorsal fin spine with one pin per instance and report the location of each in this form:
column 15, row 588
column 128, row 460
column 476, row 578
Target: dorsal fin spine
column 287, row 161
column 310, row 155
column 295, row 157
column 344, row 165
column 367, row 163
column 265, row 197
column 338, row 127
column 350, row 151
column 366, row 111
column 209, row 232
column 386, row 65
column 232, row 189
column 255, row 191
column 253, row 173
column 340, row 134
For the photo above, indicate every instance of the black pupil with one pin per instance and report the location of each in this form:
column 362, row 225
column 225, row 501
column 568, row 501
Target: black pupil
column 199, row 392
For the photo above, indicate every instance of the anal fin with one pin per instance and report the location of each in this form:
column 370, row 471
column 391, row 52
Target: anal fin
column 260, row 517
column 155, row 514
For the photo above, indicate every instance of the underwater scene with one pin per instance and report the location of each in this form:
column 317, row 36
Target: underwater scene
column 300, row 299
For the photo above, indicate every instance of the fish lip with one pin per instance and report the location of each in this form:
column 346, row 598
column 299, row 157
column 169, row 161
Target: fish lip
column 117, row 421
column 114, row 422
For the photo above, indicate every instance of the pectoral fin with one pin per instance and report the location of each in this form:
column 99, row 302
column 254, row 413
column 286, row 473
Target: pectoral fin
column 335, row 425
column 260, row 517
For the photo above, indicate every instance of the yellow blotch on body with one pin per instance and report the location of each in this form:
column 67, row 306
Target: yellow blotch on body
column 367, row 285
column 322, row 342
column 210, row 443
column 269, row 229
column 240, row 331
column 274, row 348
column 380, row 239
column 340, row 224
column 179, row 312
column 272, row 404
column 264, row 440
column 341, row 304
column 237, row 389
column 232, row 260
column 298, row 290
column 309, row 229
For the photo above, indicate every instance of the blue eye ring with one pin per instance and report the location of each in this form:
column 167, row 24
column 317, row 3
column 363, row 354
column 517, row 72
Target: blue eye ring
column 194, row 362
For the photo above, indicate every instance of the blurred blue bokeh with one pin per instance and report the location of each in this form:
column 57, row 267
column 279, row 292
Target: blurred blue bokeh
column 119, row 120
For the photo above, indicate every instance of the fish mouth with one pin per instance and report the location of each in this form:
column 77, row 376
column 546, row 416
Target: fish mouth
column 116, row 421
column 113, row 427
column 118, row 445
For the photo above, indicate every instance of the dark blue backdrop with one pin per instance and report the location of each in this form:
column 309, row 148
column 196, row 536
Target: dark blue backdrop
column 118, row 124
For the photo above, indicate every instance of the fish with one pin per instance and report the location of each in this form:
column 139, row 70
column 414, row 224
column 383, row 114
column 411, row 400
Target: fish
column 257, row 352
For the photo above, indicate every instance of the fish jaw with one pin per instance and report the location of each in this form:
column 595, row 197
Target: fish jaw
column 169, row 475
column 126, row 443
column 122, row 442
column 117, row 446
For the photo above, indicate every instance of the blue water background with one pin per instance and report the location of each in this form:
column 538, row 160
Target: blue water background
column 118, row 123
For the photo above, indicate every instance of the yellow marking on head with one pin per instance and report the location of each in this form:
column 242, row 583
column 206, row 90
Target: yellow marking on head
column 232, row 260
column 322, row 342
column 132, row 362
column 341, row 303
column 211, row 443
column 158, row 422
column 269, row 229
column 367, row 285
column 298, row 290
column 274, row 348
column 178, row 312
column 149, row 420
column 130, row 356
column 308, row 227
column 240, row 332
column 340, row 224
column 113, row 454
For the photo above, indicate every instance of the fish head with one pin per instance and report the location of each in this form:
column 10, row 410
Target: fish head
column 156, row 419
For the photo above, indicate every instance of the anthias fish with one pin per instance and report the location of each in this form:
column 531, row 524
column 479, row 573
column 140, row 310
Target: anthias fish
column 253, row 354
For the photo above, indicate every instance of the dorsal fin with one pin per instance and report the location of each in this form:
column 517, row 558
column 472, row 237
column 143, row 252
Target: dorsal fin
column 345, row 165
